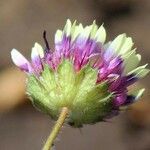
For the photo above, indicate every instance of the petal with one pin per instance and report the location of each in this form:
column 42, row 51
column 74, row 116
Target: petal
column 77, row 31
column 140, row 72
column 84, row 35
column 131, row 61
column 58, row 36
column 120, row 99
column 73, row 27
column 108, row 54
column 134, row 96
column 34, row 54
column 36, row 61
column 116, row 62
column 126, row 46
column 95, row 60
column 94, row 28
column 39, row 49
column 20, row 61
column 67, row 28
column 113, row 47
column 129, row 80
column 116, row 81
column 138, row 93
column 101, row 34
column 117, row 43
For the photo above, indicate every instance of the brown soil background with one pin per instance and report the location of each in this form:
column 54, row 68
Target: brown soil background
column 21, row 24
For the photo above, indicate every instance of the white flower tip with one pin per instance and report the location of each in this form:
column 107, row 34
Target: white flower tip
column 13, row 53
column 18, row 59
column 39, row 49
column 101, row 34
column 140, row 72
column 86, row 32
column 15, row 56
column 80, row 26
column 122, row 44
column 34, row 53
column 68, row 21
column 73, row 29
column 138, row 56
column 93, row 31
column 76, row 31
column 139, row 93
column 58, row 36
column 67, row 28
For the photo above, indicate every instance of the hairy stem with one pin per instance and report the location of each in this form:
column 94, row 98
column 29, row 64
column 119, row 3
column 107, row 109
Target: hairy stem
column 55, row 131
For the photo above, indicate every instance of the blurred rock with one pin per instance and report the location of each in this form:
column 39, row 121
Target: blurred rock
column 139, row 113
column 12, row 89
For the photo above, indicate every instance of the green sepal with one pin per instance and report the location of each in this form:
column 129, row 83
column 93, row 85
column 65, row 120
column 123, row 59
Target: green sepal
column 87, row 101
column 37, row 92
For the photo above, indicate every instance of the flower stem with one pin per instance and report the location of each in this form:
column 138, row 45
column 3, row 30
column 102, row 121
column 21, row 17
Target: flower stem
column 55, row 131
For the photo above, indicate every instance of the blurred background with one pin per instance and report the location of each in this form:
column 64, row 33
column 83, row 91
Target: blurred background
column 21, row 24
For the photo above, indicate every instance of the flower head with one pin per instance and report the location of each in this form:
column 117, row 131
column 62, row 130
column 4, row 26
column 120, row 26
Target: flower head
column 83, row 73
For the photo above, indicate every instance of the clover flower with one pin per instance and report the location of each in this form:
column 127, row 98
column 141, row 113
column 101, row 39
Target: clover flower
column 82, row 73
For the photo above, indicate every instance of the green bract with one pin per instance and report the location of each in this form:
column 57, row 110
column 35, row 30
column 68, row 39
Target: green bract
column 86, row 101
